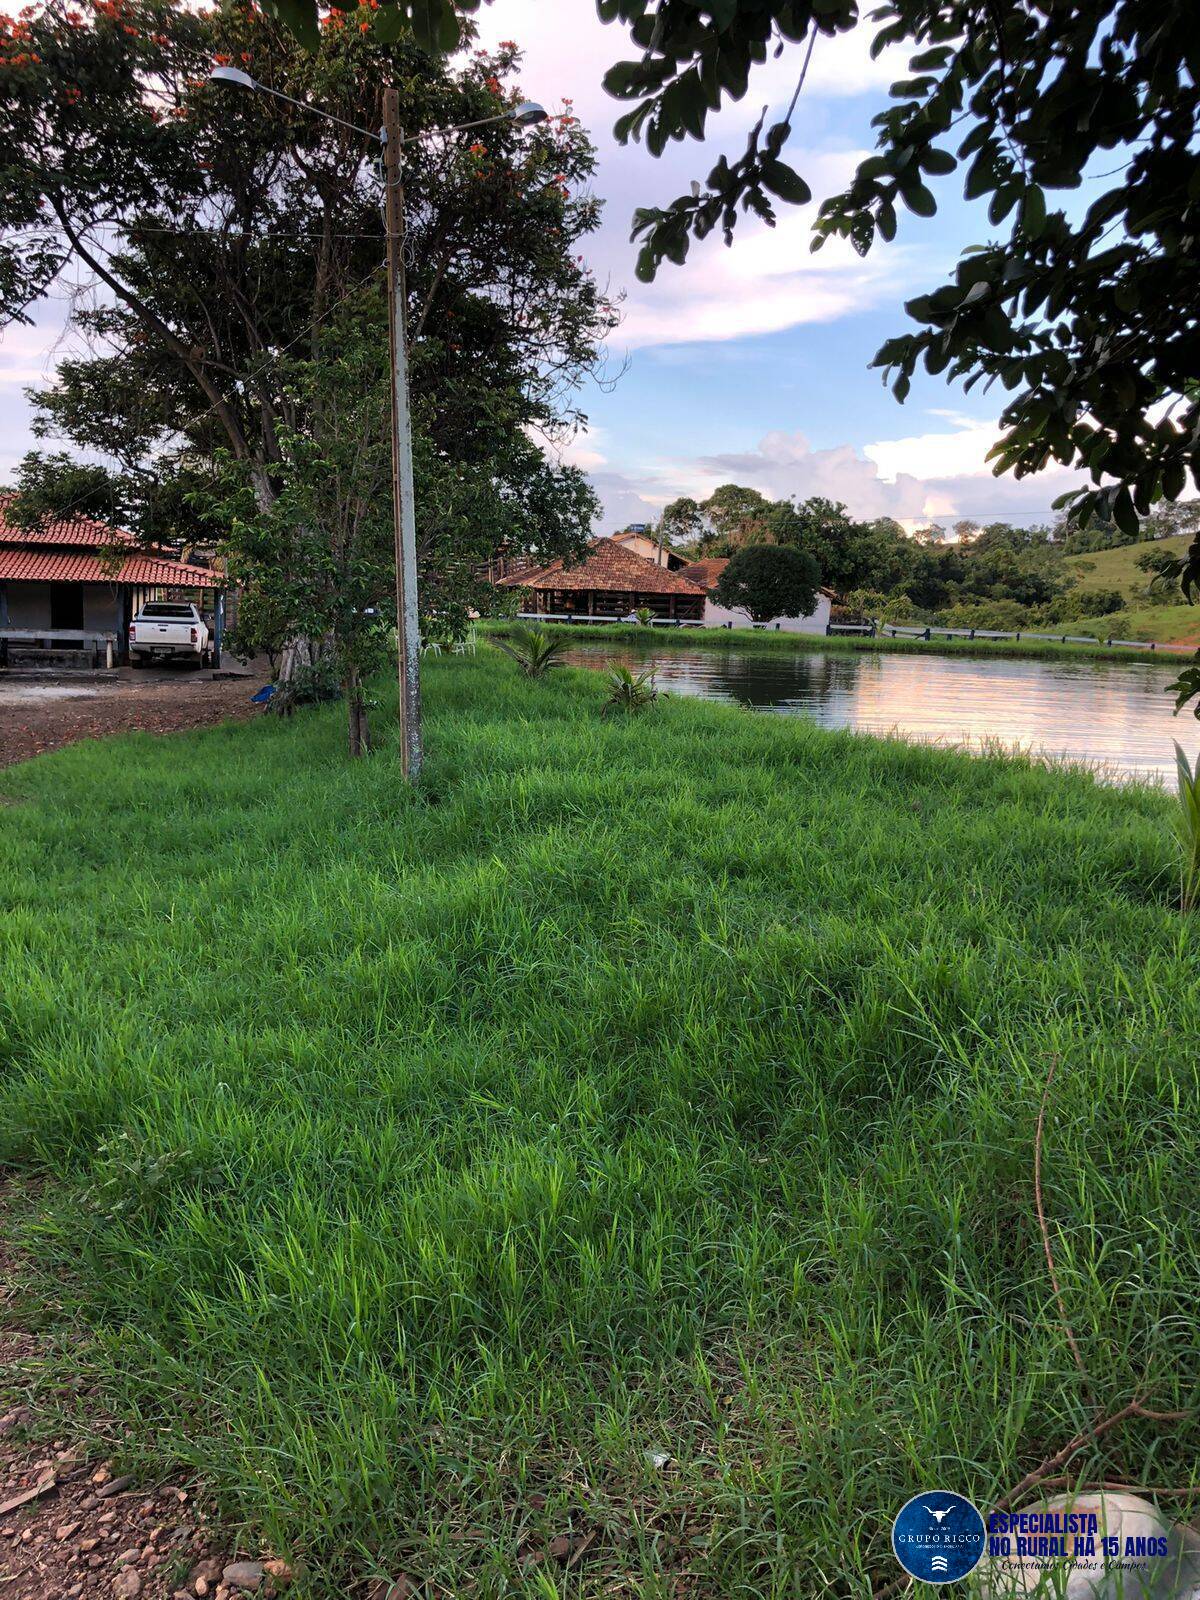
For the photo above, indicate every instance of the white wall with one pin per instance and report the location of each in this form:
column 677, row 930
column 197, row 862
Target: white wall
column 716, row 616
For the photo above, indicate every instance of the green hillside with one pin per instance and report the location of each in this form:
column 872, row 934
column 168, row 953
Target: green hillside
column 1145, row 616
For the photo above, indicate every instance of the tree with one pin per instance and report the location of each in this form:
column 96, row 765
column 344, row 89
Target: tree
column 681, row 523
column 736, row 514
column 1092, row 321
column 217, row 234
column 770, row 581
column 318, row 560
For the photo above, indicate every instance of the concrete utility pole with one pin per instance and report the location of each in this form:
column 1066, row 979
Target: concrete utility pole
column 408, row 629
column 403, row 495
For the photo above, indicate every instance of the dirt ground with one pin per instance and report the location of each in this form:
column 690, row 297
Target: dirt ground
column 41, row 711
column 74, row 1526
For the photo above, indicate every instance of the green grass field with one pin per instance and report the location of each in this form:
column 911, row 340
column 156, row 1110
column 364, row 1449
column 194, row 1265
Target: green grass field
column 1141, row 618
column 419, row 1163
column 1118, row 568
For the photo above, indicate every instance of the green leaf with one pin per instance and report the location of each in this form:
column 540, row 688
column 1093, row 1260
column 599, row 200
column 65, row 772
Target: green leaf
column 1004, row 199
column 1033, row 211
column 930, row 60
column 873, row 167
column 781, row 180
column 435, row 25
column 919, row 200
column 1124, row 515
column 300, row 16
column 390, row 23
column 623, row 80
column 981, row 175
column 936, row 161
column 647, row 263
column 885, row 220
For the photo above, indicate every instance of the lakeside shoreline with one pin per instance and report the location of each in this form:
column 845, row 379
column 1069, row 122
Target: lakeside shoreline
column 762, row 639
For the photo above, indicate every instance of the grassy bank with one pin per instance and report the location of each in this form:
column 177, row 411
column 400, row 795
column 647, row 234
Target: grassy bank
column 1141, row 618
column 763, row 639
column 420, row 1162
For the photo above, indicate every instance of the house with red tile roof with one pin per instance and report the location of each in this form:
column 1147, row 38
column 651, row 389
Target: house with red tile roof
column 75, row 578
column 611, row 581
column 705, row 575
column 641, row 539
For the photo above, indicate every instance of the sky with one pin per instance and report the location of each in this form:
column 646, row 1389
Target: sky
column 748, row 364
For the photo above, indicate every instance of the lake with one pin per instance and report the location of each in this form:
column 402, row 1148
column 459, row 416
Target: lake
column 1112, row 714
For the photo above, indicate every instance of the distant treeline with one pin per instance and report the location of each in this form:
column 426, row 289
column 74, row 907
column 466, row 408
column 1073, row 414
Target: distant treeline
column 998, row 576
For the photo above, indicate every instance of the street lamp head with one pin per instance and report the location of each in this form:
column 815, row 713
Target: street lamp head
column 233, row 75
column 527, row 113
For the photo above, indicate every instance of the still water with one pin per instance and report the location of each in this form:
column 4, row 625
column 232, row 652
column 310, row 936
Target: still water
column 1111, row 714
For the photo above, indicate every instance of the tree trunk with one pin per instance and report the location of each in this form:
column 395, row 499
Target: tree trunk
column 356, row 715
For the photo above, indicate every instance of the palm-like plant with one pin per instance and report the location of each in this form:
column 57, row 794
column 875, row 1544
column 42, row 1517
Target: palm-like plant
column 534, row 651
column 628, row 691
column 1188, row 822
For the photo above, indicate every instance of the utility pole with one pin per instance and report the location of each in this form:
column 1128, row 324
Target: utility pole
column 408, row 632
column 403, row 497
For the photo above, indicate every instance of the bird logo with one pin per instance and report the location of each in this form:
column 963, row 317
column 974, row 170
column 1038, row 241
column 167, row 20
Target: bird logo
column 939, row 1515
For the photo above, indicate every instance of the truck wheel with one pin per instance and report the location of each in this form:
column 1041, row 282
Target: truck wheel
column 136, row 659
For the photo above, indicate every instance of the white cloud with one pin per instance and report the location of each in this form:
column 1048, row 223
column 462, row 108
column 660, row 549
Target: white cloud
column 939, row 474
column 27, row 354
column 785, row 464
column 769, row 280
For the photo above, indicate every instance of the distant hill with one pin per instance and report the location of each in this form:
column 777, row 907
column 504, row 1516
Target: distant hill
column 1118, row 569
column 1145, row 616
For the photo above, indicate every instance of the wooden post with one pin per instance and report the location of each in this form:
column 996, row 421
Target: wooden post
column 407, row 626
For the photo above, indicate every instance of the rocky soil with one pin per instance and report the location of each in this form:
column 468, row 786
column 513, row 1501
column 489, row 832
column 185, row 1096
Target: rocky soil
column 74, row 1528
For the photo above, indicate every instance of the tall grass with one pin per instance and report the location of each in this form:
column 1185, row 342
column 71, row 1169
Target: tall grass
column 426, row 1165
column 1188, row 823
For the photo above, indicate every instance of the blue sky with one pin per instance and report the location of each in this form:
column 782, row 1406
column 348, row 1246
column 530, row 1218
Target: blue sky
column 752, row 363
column 748, row 364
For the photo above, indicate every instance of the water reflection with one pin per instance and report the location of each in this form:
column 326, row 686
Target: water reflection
column 1109, row 713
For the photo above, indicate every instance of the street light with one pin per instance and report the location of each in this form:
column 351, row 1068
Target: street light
column 392, row 138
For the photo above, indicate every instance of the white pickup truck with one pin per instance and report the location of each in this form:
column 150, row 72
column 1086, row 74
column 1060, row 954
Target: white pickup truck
column 165, row 628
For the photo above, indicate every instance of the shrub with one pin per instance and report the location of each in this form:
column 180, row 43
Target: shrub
column 628, row 691
column 1078, row 603
column 899, row 608
column 311, row 684
column 1003, row 615
column 534, row 651
column 863, row 605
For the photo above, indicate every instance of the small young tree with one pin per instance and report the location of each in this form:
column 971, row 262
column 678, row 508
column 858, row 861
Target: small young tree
column 317, row 562
column 770, row 581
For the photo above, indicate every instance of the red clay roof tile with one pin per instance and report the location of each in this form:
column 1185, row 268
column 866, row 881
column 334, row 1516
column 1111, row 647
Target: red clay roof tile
column 36, row 566
column 608, row 568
